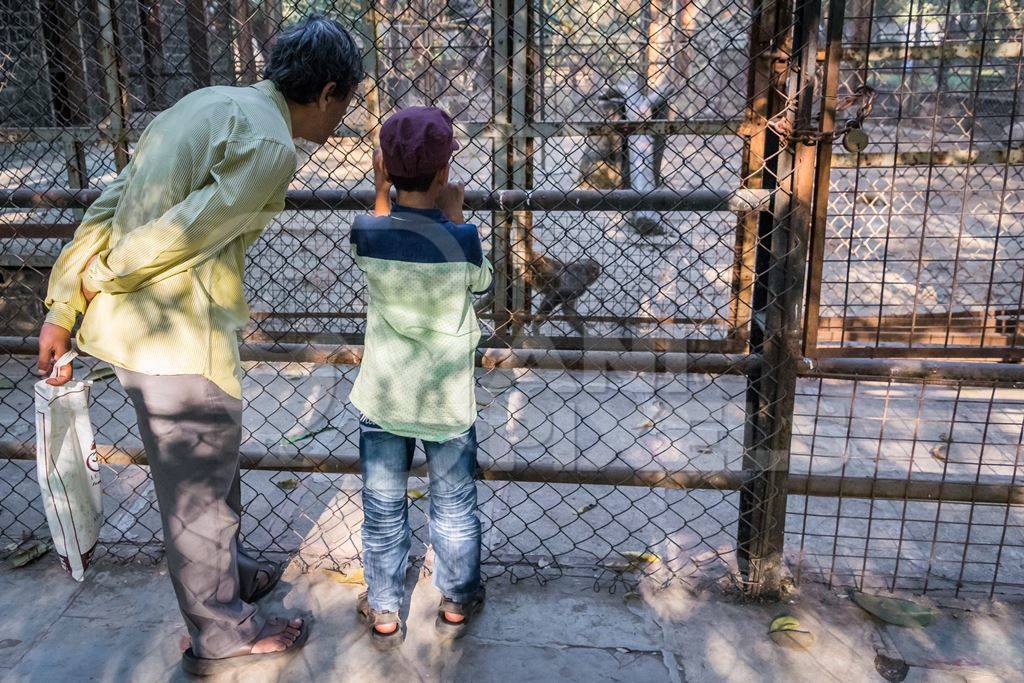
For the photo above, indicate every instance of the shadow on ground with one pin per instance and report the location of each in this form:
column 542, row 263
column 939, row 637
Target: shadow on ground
column 121, row 624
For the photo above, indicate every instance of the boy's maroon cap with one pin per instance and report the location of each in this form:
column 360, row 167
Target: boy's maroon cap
column 417, row 141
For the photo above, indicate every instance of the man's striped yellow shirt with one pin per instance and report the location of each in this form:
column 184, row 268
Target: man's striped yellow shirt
column 171, row 231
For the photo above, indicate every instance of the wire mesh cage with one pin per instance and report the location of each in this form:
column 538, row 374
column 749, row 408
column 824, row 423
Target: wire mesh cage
column 678, row 256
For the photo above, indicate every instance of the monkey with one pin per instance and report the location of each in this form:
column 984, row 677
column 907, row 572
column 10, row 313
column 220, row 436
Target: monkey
column 561, row 284
column 614, row 160
column 558, row 284
column 605, row 163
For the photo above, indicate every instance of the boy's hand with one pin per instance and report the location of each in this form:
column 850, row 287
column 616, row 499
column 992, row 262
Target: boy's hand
column 380, row 174
column 382, row 183
column 450, row 201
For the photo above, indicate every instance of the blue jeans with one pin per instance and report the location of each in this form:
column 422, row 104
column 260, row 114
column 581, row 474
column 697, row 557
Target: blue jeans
column 454, row 525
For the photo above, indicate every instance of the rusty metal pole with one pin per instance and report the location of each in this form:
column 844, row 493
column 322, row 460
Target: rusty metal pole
column 521, row 147
column 371, row 65
column 242, row 18
column 823, row 171
column 198, row 47
column 752, row 165
column 152, row 52
column 503, row 163
column 114, row 81
column 777, row 302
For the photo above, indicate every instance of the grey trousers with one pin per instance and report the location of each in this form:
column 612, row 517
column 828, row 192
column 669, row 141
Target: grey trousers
column 192, row 431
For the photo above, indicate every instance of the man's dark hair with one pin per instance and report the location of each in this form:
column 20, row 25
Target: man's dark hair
column 309, row 55
column 418, row 184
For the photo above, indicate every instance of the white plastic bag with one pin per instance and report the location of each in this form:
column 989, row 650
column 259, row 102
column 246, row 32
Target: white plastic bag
column 68, row 469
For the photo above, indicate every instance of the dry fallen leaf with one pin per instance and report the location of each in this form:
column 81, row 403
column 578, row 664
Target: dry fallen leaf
column 895, row 611
column 787, row 632
column 938, row 452
column 26, row 552
column 646, row 424
column 353, row 577
column 306, row 435
column 286, row 484
column 100, row 373
column 416, row 494
column 638, row 559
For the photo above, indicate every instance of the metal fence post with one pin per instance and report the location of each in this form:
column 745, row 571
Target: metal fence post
column 245, row 69
column 113, row 81
column 777, row 299
column 152, row 52
column 520, row 152
column 823, row 169
column 198, row 47
column 512, row 159
column 65, row 65
column 499, row 170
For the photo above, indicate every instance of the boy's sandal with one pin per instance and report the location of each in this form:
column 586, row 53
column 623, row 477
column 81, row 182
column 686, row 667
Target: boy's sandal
column 372, row 618
column 270, row 579
column 451, row 630
column 202, row 666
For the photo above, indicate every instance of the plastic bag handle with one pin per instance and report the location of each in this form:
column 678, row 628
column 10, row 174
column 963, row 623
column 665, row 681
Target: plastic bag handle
column 62, row 361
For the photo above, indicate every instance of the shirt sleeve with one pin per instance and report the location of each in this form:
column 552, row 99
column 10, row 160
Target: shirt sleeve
column 240, row 197
column 64, row 299
column 483, row 277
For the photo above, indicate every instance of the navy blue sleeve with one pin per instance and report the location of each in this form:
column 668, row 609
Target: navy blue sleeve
column 469, row 239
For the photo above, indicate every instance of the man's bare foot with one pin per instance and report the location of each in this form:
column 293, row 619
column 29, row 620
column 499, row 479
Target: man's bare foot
column 275, row 643
column 278, row 641
column 453, row 618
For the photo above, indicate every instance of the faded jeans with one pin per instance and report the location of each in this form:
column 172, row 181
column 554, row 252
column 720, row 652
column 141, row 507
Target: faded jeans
column 454, row 526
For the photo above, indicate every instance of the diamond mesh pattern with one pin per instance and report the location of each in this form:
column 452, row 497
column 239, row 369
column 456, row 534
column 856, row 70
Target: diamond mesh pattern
column 644, row 96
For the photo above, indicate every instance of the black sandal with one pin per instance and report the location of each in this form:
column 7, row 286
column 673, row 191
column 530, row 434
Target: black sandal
column 372, row 618
column 451, row 630
column 203, row 666
column 261, row 591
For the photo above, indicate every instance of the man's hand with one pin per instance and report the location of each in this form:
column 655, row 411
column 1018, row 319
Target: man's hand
column 450, row 201
column 54, row 342
column 88, row 293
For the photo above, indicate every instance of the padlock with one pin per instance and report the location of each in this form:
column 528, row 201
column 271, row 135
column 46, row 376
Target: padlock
column 855, row 141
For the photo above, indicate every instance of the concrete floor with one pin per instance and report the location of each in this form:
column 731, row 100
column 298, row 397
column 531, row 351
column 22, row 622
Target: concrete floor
column 121, row 624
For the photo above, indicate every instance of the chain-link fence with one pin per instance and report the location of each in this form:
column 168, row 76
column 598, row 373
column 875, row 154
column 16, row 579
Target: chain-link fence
column 678, row 257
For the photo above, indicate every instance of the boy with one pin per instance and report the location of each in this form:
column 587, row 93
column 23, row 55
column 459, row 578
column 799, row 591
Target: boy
column 421, row 262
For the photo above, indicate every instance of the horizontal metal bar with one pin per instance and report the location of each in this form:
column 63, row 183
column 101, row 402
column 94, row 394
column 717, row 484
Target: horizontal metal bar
column 898, row 368
column 503, row 359
column 696, row 199
column 463, row 130
column 938, row 351
column 1007, row 491
column 1003, row 492
column 37, row 230
column 630, row 361
column 934, row 157
column 948, row 50
column 553, row 472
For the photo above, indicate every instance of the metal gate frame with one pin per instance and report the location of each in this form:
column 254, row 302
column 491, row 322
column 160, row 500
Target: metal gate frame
column 781, row 204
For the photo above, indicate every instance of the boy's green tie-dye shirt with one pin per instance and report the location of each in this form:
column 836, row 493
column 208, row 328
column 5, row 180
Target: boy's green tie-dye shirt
column 416, row 376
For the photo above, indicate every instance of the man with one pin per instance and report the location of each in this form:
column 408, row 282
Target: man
column 156, row 269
